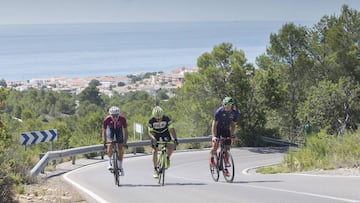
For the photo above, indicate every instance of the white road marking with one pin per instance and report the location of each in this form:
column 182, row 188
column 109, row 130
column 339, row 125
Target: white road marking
column 304, row 193
column 91, row 194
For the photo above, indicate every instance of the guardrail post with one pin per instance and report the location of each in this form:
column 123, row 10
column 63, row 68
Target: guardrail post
column 41, row 155
column 73, row 160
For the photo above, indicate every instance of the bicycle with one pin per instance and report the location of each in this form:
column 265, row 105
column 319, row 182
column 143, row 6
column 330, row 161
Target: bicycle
column 162, row 159
column 115, row 170
column 228, row 171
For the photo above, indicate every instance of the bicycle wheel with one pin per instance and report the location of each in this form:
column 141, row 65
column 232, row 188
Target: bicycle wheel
column 161, row 168
column 229, row 171
column 116, row 168
column 214, row 170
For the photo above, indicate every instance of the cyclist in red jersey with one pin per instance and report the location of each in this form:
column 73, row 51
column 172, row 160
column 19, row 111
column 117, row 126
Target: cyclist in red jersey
column 115, row 124
column 224, row 125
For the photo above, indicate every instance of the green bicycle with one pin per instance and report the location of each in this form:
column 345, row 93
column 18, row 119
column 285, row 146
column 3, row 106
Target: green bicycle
column 162, row 159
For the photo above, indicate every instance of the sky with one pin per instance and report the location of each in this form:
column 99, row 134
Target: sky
column 109, row 11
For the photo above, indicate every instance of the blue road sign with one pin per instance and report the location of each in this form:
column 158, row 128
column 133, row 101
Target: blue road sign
column 28, row 138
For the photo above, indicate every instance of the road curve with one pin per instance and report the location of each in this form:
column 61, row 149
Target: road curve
column 188, row 180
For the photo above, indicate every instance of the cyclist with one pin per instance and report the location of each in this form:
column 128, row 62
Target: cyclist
column 160, row 126
column 115, row 124
column 224, row 125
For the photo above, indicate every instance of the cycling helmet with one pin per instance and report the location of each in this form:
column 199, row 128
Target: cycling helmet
column 228, row 101
column 157, row 112
column 114, row 110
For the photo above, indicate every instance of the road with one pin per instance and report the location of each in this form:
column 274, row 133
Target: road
column 188, row 180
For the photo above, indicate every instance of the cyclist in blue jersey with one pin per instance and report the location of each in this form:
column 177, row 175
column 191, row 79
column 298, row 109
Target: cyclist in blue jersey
column 224, row 125
column 160, row 126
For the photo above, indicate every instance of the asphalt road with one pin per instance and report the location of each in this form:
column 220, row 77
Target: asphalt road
column 188, row 180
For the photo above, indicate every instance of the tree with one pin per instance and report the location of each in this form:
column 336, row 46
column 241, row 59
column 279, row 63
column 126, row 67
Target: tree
column 332, row 106
column 288, row 48
column 92, row 95
column 121, row 84
column 162, row 94
column 3, row 83
column 223, row 73
column 94, row 83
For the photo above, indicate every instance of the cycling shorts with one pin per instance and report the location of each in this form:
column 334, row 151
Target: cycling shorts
column 224, row 133
column 111, row 132
column 164, row 137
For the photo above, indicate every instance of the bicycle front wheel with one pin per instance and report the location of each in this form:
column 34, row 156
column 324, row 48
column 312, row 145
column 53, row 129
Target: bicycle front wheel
column 228, row 168
column 214, row 169
column 116, row 168
column 161, row 168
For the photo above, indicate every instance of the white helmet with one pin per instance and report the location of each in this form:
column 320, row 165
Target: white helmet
column 114, row 110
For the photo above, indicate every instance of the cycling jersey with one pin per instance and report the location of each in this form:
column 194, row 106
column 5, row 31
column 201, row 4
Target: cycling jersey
column 224, row 118
column 160, row 128
column 115, row 127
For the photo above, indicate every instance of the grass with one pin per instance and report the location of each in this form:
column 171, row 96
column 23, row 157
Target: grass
column 325, row 152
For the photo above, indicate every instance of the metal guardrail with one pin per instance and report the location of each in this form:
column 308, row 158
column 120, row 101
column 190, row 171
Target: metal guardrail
column 52, row 155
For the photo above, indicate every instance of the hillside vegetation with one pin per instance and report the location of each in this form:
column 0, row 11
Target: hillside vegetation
column 307, row 77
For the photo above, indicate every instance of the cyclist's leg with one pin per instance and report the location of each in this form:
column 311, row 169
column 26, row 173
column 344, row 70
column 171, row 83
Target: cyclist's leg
column 109, row 138
column 214, row 147
column 154, row 147
column 227, row 144
column 170, row 147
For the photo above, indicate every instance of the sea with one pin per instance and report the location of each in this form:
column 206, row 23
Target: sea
column 112, row 49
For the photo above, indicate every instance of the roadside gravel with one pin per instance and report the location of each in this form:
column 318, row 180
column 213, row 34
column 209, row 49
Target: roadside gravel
column 335, row 172
column 53, row 189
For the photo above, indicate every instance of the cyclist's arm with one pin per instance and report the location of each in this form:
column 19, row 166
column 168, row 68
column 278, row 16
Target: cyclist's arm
column 232, row 128
column 126, row 133
column 103, row 134
column 151, row 133
column 213, row 128
column 172, row 131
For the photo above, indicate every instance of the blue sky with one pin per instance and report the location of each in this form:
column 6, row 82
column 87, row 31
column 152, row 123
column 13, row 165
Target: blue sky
column 90, row 11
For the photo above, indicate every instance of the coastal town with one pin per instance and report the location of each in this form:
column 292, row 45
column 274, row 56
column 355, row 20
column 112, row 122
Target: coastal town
column 108, row 84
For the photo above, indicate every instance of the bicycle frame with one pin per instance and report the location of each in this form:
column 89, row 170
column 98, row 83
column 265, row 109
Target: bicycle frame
column 115, row 158
column 162, row 156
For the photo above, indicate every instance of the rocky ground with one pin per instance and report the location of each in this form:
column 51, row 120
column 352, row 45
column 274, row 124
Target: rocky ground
column 51, row 187
column 54, row 190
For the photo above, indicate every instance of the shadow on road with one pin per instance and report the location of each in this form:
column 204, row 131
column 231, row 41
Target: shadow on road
column 258, row 181
column 269, row 150
column 157, row 185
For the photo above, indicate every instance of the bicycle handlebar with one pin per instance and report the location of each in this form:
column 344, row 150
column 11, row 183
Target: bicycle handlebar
column 115, row 141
